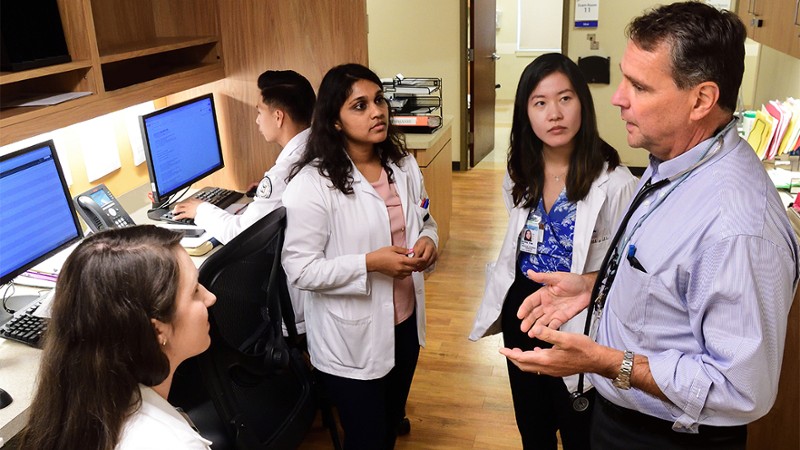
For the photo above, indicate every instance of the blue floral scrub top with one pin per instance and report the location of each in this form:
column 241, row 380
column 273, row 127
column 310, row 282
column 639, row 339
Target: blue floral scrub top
column 554, row 251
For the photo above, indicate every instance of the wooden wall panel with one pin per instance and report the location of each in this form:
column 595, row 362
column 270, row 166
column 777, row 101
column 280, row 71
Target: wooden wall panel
column 194, row 18
column 119, row 23
column 258, row 35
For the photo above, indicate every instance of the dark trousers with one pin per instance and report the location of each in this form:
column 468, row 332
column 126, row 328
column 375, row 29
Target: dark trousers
column 542, row 403
column 615, row 427
column 370, row 410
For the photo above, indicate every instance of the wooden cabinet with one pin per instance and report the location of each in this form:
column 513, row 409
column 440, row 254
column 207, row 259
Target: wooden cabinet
column 778, row 429
column 774, row 23
column 433, row 153
column 123, row 52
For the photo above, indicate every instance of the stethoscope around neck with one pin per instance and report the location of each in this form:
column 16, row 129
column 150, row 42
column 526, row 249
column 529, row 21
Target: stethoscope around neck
column 614, row 254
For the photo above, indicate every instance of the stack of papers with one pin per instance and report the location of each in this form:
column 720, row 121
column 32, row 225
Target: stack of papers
column 776, row 128
column 784, row 179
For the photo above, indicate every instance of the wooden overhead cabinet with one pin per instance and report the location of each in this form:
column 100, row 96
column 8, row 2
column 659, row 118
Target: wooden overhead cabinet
column 123, row 52
column 774, row 23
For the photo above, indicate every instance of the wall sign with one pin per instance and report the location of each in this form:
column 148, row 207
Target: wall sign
column 721, row 4
column 586, row 13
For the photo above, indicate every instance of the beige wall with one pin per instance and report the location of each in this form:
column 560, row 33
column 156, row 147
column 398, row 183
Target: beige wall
column 610, row 35
column 420, row 38
column 778, row 77
column 768, row 74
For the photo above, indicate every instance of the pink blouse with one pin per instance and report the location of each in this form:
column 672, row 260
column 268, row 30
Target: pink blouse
column 404, row 298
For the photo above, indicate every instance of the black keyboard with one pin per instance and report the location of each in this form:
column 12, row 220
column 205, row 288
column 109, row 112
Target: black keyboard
column 219, row 197
column 25, row 327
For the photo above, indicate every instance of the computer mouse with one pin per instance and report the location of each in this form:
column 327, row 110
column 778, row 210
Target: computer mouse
column 5, row 399
column 252, row 192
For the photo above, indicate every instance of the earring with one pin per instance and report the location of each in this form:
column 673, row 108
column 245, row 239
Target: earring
column 164, row 343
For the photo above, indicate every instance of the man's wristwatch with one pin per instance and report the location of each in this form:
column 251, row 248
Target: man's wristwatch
column 623, row 380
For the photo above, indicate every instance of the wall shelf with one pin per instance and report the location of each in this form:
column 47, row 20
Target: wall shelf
column 124, row 52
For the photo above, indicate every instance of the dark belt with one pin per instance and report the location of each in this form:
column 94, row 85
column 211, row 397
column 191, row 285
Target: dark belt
column 654, row 425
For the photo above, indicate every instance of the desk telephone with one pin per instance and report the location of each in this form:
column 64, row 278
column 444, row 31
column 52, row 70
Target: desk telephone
column 100, row 209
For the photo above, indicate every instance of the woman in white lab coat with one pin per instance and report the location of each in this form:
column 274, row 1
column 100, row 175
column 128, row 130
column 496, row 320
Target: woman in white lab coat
column 566, row 189
column 127, row 311
column 358, row 237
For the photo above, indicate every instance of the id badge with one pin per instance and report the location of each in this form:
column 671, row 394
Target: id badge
column 532, row 234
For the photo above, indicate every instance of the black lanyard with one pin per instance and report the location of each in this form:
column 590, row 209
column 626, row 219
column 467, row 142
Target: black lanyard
column 606, row 275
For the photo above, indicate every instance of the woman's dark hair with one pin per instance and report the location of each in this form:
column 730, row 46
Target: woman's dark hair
column 289, row 91
column 525, row 158
column 100, row 343
column 327, row 146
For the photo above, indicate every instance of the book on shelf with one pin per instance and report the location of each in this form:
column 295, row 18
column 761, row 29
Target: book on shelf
column 416, row 90
column 417, row 121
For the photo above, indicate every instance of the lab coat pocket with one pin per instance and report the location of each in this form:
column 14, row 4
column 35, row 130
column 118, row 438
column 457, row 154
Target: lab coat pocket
column 631, row 298
column 597, row 250
column 348, row 341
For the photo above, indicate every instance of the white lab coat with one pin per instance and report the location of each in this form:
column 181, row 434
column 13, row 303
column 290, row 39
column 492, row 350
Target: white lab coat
column 596, row 219
column 349, row 312
column 156, row 425
column 225, row 226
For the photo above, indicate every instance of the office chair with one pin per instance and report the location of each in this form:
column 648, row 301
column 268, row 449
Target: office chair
column 261, row 389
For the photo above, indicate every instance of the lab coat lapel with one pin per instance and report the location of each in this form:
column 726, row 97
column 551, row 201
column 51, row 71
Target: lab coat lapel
column 585, row 218
column 361, row 183
column 401, row 185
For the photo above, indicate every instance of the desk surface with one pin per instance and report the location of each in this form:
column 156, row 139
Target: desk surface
column 19, row 363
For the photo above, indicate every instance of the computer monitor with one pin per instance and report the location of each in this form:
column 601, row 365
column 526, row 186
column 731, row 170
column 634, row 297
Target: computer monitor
column 37, row 217
column 181, row 145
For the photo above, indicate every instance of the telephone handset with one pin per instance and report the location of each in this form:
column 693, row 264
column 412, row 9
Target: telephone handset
column 100, row 209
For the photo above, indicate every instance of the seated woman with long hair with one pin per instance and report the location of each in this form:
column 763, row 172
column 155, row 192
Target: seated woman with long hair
column 128, row 310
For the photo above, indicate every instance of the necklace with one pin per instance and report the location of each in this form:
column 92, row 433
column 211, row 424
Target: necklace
column 559, row 177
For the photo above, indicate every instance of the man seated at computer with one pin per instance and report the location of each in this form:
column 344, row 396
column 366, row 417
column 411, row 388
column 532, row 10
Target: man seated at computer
column 284, row 116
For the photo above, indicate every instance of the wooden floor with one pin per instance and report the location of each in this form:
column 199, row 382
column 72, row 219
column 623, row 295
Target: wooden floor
column 460, row 397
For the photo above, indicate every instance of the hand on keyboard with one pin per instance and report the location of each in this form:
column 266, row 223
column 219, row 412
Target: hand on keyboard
column 186, row 209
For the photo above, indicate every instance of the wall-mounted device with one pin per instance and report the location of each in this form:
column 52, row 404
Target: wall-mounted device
column 100, row 209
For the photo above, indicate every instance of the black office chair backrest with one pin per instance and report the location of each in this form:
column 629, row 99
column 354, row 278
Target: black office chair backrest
column 260, row 387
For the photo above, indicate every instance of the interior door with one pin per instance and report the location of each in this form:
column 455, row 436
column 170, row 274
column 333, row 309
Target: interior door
column 481, row 79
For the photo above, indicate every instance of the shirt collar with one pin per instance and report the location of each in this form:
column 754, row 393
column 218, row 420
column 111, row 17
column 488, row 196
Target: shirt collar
column 665, row 169
column 161, row 410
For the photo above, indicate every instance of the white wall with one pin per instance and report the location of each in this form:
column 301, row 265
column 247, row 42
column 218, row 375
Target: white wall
column 420, row 38
column 778, row 77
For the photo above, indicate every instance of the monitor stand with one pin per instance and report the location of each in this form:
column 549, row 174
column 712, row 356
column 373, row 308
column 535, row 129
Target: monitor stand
column 156, row 213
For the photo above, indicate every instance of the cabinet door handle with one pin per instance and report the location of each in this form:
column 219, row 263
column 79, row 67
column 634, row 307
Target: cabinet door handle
column 749, row 6
column 796, row 8
column 755, row 13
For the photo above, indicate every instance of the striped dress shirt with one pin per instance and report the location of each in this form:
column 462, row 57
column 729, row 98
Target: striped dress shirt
column 710, row 312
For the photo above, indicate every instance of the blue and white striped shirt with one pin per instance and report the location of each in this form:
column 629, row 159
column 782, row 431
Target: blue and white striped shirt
column 710, row 312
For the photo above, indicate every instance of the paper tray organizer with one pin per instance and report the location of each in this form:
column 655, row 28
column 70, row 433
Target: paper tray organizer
column 416, row 103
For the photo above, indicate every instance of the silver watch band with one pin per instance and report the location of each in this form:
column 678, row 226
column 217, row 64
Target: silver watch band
column 623, row 380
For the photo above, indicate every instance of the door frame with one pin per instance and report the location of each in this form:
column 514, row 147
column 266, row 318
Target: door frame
column 463, row 163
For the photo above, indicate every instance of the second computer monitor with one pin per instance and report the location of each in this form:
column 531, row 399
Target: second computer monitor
column 181, row 145
column 37, row 217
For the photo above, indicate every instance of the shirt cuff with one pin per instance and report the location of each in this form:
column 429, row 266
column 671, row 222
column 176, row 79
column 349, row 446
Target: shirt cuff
column 665, row 369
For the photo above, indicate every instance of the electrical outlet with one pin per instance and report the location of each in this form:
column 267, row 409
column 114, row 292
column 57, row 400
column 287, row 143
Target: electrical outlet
column 594, row 44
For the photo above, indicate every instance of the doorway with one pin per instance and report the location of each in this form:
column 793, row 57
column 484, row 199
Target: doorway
column 481, row 69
